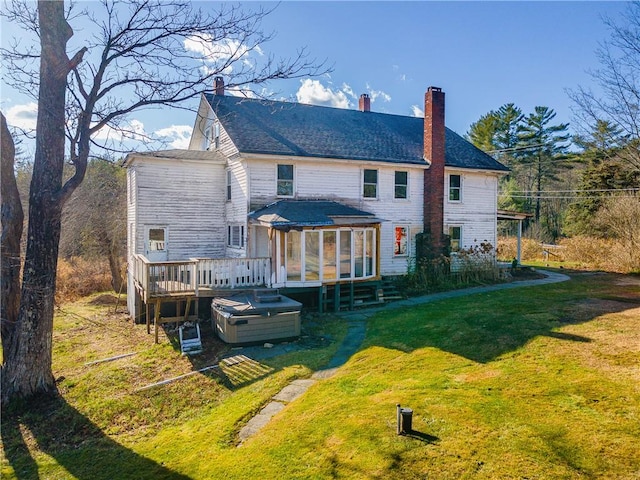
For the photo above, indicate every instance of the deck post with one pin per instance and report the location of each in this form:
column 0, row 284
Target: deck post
column 156, row 318
column 519, row 247
column 351, row 295
column 336, row 298
column 147, row 317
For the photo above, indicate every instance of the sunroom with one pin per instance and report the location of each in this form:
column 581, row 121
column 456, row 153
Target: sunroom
column 315, row 242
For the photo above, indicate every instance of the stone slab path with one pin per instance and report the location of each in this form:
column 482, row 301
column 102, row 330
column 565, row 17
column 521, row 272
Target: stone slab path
column 356, row 331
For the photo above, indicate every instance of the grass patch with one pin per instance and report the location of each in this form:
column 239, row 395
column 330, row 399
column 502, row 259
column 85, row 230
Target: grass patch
column 538, row 382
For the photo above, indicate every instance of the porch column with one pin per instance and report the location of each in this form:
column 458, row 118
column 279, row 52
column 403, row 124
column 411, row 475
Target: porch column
column 519, row 247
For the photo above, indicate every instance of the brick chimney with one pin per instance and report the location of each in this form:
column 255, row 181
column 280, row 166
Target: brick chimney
column 218, row 86
column 434, row 152
column 364, row 103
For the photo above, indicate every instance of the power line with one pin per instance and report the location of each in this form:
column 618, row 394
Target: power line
column 634, row 189
column 516, row 149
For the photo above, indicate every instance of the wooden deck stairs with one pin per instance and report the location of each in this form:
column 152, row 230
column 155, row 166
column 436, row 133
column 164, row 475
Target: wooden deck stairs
column 390, row 290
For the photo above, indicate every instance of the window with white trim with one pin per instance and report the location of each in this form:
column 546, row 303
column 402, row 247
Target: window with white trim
column 284, row 184
column 455, row 188
column 235, row 236
column 229, row 185
column 455, row 237
column 370, row 184
column 401, row 183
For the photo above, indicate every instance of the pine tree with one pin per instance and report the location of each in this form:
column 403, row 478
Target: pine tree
column 544, row 152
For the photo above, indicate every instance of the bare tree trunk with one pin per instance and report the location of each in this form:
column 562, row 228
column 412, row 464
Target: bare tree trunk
column 12, row 221
column 115, row 262
column 27, row 368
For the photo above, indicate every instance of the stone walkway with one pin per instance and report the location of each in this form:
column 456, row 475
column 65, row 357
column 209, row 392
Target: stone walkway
column 356, row 332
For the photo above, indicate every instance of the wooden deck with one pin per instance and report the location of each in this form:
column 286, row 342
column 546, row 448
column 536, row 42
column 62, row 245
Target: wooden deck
column 196, row 276
column 182, row 282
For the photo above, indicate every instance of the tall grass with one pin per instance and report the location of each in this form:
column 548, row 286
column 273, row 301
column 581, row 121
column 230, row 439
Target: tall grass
column 580, row 251
column 79, row 277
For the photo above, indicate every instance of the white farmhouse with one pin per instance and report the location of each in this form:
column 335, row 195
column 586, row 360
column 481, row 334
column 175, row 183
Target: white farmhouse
column 301, row 198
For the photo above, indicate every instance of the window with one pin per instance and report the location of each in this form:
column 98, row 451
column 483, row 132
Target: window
column 369, row 253
column 401, row 241
column 370, row 184
column 312, row 255
column 455, row 238
column 285, row 181
column 329, row 255
column 455, row 188
column 212, row 135
column 235, row 236
column 228, row 185
column 156, row 239
column 294, row 256
column 358, row 253
column 401, row 185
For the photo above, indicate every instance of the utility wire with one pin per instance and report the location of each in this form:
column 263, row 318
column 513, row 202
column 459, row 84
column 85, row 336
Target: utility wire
column 635, row 189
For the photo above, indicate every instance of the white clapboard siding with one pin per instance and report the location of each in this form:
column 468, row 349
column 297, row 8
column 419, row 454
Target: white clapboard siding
column 185, row 197
column 476, row 212
column 342, row 181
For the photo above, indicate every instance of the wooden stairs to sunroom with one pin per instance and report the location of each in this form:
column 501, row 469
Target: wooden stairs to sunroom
column 366, row 294
column 390, row 289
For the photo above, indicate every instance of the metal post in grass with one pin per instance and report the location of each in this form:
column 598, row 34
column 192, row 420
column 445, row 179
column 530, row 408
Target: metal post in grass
column 404, row 419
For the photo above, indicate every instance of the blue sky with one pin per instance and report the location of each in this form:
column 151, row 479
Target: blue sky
column 482, row 54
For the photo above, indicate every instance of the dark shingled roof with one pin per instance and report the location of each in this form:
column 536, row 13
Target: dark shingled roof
column 287, row 128
column 287, row 214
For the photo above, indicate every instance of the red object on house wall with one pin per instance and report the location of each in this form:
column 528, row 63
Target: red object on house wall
column 434, row 152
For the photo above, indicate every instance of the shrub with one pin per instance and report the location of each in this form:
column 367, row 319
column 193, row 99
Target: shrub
column 472, row 266
column 78, row 277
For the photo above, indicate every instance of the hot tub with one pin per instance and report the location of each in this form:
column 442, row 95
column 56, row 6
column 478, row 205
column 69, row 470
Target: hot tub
column 259, row 316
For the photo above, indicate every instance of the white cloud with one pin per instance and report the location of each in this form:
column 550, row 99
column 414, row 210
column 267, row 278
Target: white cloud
column 313, row 92
column 133, row 130
column 375, row 94
column 226, row 50
column 23, row 116
column 416, row 111
column 346, row 88
column 178, row 136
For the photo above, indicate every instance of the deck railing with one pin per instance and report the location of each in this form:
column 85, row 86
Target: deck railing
column 156, row 279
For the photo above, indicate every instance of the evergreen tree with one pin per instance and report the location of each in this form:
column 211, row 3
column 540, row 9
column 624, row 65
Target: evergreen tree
column 483, row 132
column 543, row 154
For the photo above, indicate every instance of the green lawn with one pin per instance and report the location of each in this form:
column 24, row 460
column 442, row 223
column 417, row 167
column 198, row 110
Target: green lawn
column 540, row 382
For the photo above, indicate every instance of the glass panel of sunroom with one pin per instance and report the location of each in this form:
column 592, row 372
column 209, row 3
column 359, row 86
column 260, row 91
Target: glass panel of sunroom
column 294, row 256
column 345, row 254
column 369, row 253
column 312, row 255
column 358, row 253
column 329, row 255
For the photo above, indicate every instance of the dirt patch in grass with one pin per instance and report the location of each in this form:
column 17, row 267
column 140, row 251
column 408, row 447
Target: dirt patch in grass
column 105, row 299
column 525, row 273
